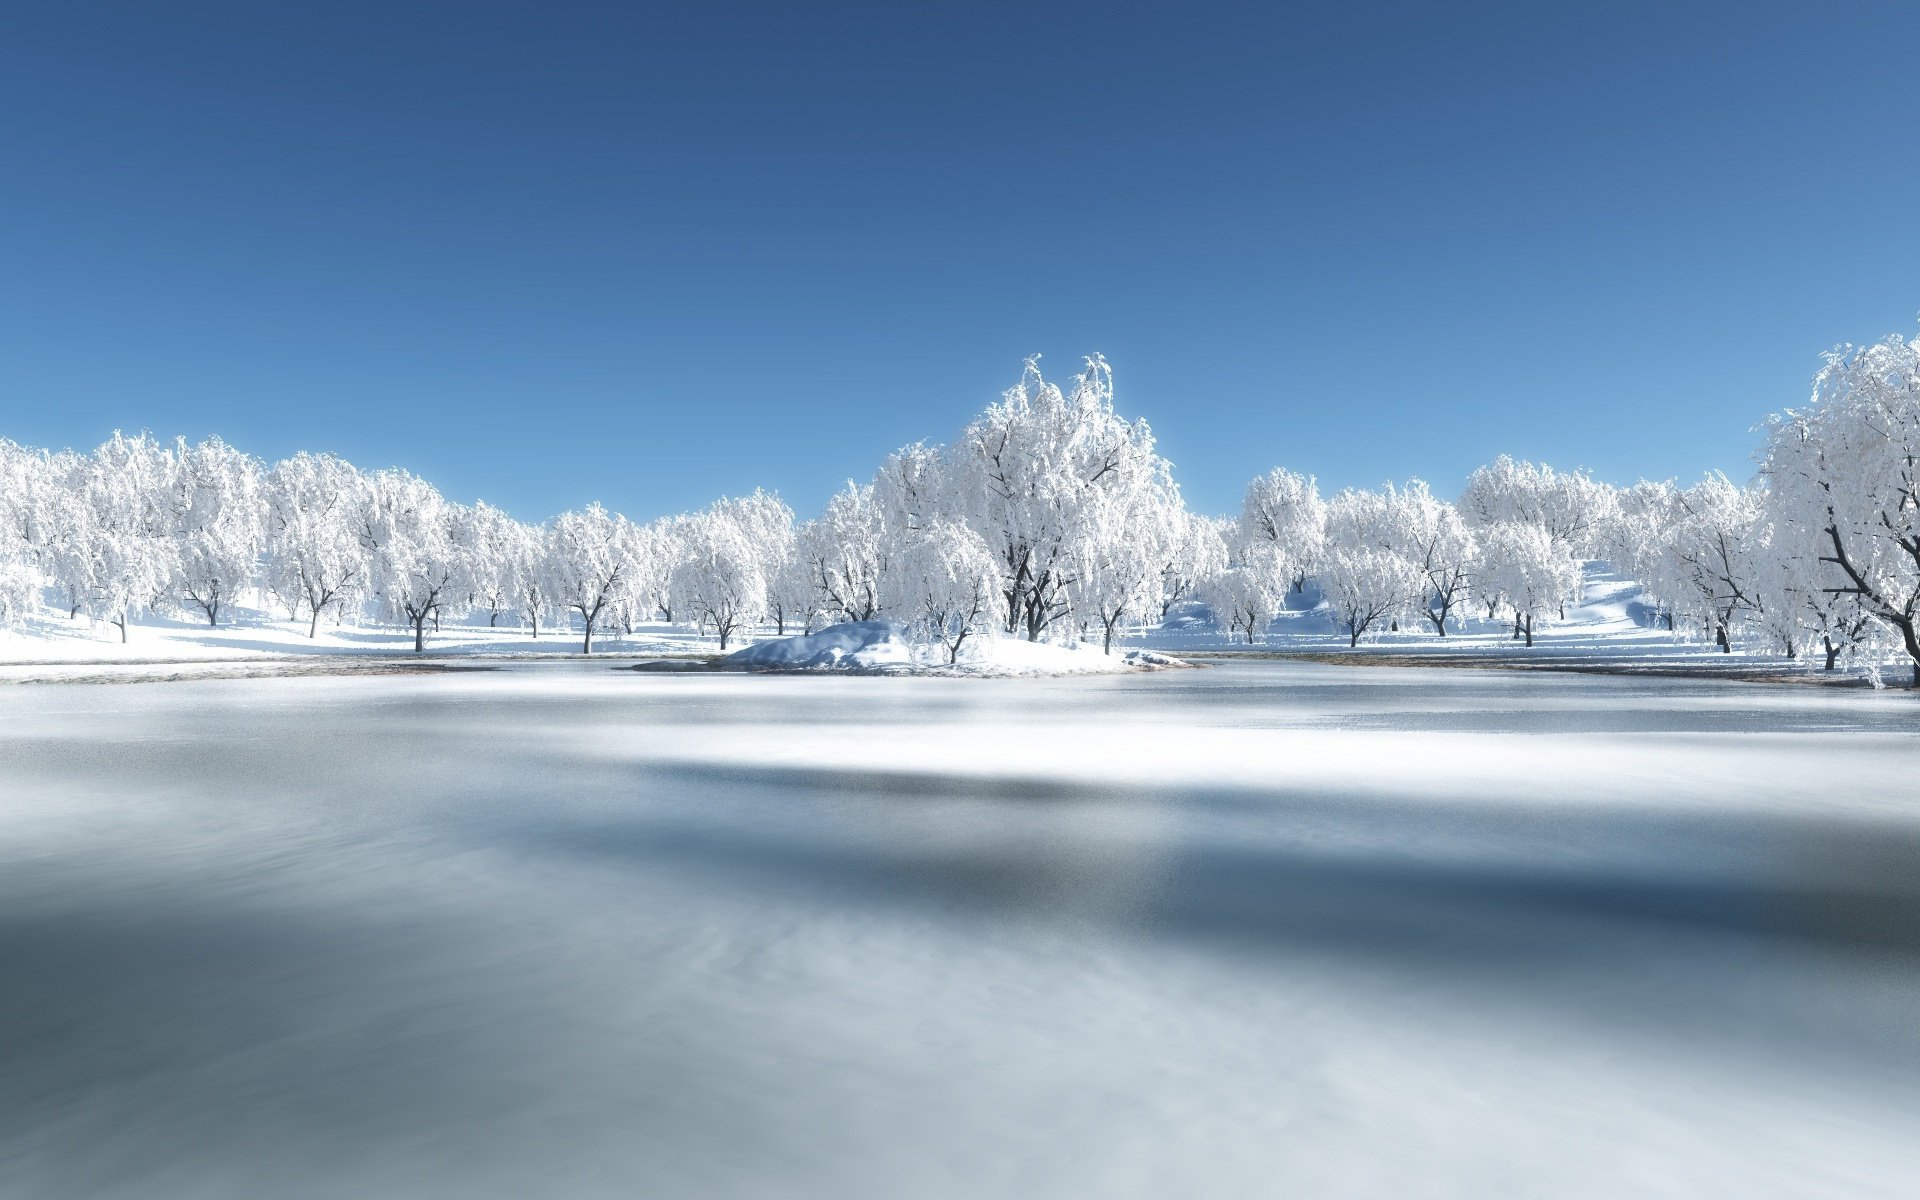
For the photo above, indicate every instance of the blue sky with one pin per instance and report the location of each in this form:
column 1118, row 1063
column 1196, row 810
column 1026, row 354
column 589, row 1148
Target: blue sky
column 650, row 255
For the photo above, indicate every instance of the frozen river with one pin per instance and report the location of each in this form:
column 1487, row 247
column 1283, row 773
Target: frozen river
column 1262, row 930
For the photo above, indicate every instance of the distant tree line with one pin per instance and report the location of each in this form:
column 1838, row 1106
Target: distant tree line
column 1049, row 516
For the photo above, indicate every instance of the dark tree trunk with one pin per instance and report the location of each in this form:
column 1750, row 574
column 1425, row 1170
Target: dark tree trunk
column 1529, row 628
column 1833, row 651
column 313, row 626
column 420, row 633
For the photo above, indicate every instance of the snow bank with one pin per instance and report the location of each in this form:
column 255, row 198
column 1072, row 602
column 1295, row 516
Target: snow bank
column 886, row 648
column 854, row 646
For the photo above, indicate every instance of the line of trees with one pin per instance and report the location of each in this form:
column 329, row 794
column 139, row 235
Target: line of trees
column 1048, row 516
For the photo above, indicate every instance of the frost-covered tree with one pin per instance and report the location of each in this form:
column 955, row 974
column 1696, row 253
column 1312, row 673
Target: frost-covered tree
column 505, row 553
column 946, row 580
column 418, row 567
column 1522, row 570
column 1715, row 544
column 1026, row 471
column 1121, row 550
column 314, row 551
column 1429, row 532
column 1571, row 507
column 843, row 551
column 590, row 557
column 1363, row 577
column 1845, row 476
column 219, row 511
column 1568, row 506
column 1637, row 540
column 31, row 494
column 1244, row 599
column 723, row 581
column 1282, row 514
column 1197, row 552
column 121, row 553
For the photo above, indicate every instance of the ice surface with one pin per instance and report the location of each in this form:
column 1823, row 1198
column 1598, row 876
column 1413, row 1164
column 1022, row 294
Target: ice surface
column 1265, row 929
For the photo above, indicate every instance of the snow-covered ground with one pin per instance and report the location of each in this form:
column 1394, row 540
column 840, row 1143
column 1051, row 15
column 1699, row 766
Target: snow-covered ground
column 1275, row 928
column 1609, row 629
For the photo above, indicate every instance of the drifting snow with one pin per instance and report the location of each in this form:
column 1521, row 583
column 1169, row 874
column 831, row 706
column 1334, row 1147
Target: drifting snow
column 887, row 648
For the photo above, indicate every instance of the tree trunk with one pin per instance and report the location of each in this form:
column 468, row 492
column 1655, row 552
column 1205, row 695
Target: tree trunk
column 122, row 623
column 1833, row 651
column 1439, row 620
column 493, row 618
column 1353, row 636
column 1529, row 630
column 420, row 633
column 586, row 643
column 1720, row 639
column 313, row 626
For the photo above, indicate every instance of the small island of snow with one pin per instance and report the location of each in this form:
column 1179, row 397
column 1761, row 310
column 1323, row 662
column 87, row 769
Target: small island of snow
column 889, row 648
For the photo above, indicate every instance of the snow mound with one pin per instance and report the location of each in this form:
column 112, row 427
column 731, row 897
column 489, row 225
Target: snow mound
column 886, row 648
column 854, row 646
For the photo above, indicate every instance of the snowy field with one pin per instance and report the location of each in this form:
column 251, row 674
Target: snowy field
column 1272, row 928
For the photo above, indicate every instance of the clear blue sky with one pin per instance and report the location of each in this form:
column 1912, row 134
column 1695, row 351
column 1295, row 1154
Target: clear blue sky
column 544, row 254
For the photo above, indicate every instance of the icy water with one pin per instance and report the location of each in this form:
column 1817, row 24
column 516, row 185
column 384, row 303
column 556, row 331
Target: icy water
column 1263, row 930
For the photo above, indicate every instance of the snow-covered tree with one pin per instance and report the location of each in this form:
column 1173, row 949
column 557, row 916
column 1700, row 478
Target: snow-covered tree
column 1845, row 476
column 1429, row 532
column 588, row 562
column 1282, row 514
column 1243, row 599
column 1714, row 545
column 1568, row 506
column 1196, row 553
column 1363, row 577
column 418, row 567
column 1026, row 470
column 1121, row 551
column 314, row 551
column 220, row 516
column 723, row 583
column 946, row 580
column 843, row 551
column 505, row 553
column 1523, row 570
column 121, row 553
